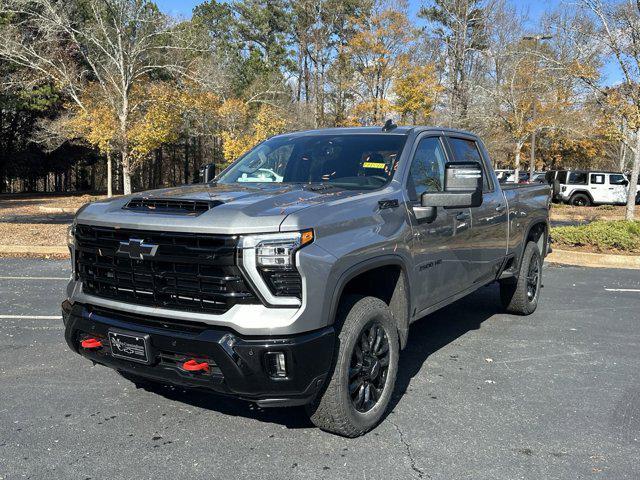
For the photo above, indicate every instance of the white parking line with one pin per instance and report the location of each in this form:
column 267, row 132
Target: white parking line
column 30, row 317
column 34, row 278
column 622, row 289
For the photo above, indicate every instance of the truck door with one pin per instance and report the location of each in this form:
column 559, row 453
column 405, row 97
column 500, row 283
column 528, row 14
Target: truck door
column 618, row 187
column 438, row 270
column 486, row 243
column 599, row 192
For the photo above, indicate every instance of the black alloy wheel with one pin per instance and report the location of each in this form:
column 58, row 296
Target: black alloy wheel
column 369, row 367
column 533, row 279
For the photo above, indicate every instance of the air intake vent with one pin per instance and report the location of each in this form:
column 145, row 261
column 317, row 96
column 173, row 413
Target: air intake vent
column 171, row 206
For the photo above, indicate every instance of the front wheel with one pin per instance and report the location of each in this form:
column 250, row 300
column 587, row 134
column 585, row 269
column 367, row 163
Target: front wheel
column 520, row 295
column 358, row 392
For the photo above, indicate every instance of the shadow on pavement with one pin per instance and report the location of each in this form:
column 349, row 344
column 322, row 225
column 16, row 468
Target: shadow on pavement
column 431, row 333
column 426, row 336
column 292, row 417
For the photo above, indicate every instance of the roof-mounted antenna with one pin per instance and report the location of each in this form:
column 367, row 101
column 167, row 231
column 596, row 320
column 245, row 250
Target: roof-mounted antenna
column 389, row 125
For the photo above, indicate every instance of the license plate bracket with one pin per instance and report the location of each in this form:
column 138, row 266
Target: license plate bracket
column 130, row 346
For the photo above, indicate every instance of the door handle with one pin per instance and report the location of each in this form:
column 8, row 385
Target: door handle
column 462, row 216
column 500, row 208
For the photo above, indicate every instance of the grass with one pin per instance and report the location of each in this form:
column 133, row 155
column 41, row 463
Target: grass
column 38, row 219
column 601, row 236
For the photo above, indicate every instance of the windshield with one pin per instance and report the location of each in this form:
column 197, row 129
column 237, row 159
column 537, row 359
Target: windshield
column 360, row 161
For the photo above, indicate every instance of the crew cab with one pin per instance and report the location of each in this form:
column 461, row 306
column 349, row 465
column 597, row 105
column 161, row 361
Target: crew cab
column 300, row 289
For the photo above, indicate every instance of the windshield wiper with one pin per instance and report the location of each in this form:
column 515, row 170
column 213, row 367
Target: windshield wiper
column 318, row 187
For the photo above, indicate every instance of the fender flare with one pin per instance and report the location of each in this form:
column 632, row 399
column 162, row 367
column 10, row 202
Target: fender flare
column 584, row 192
column 536, row 221
column 364, row 266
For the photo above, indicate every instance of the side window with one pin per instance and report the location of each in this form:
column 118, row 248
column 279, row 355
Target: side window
column 427, row 168
column 467, row 151
column 597, row 179
column 617, row 179
column 577, row 178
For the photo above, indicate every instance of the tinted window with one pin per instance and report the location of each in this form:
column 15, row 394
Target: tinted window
column 353, row 161
column 577, row 178
column 467, row 151
column 617, row 179
column 562, row 176
column 597, row 178
column 427, row 168
column 550, row 176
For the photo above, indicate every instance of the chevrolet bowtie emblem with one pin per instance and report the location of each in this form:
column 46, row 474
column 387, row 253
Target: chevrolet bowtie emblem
column 137, row 249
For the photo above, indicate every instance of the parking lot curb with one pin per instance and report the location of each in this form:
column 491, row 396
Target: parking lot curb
column 34, row 250
column 595, row 260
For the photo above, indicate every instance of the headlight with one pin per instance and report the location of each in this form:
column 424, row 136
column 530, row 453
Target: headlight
column 280, row 252
column 270, row 261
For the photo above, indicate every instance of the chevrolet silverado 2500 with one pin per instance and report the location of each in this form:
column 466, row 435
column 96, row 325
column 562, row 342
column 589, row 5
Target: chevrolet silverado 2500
column 299, row 288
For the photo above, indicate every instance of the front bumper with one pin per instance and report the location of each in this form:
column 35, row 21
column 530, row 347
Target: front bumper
column 238, row 365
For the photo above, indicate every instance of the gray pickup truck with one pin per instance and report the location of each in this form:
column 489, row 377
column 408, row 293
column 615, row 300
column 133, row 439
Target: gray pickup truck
column 292, row 277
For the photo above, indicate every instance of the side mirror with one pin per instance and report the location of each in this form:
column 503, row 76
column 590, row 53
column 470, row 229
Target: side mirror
column 462, row 187
column 207, row 172
column 625, row 183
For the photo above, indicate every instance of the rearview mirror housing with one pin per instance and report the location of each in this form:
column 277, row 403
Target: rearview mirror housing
column 462, row 187
column 207, row 172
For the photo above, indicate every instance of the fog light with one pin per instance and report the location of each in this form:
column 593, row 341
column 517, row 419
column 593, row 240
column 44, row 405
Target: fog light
column 276, row 364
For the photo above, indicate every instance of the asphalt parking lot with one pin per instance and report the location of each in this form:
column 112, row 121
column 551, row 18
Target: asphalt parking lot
column 480, row 395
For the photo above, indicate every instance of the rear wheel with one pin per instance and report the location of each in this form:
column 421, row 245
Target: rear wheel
column 358, row 392
column 520, row 295
column 580, row 200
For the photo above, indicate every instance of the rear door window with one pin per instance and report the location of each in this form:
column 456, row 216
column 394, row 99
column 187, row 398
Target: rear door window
column 467, row 151
column 597, row 179
column 577, row 178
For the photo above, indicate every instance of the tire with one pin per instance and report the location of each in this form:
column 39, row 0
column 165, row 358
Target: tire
column 516, row 293
column 580, row 200
column 638, row 199
column 335, row 409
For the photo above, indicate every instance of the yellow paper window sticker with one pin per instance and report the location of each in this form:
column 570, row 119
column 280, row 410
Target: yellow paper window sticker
column 374, row 165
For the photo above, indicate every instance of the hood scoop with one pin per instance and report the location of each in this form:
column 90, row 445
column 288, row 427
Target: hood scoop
column 171, row 206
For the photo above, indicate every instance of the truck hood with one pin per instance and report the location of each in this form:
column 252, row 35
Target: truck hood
column 236, row 208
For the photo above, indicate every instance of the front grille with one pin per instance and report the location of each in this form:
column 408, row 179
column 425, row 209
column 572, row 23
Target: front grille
column 173, row 206
column 190, row 272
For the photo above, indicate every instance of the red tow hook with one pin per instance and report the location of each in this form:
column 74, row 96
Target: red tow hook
column 193, row 366
column 91, row 343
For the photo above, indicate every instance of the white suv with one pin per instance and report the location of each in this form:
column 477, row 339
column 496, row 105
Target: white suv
column 584, row 188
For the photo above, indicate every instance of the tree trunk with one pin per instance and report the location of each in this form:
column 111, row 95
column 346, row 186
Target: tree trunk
column 186, row 161
column 518, row 152
column 126, row 172
column 109, row 175
column 623, row 156
column 633, row 180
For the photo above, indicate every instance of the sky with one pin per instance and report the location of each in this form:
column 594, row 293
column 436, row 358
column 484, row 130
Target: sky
column 533, row 8
column 183, row 8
